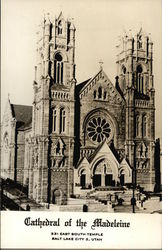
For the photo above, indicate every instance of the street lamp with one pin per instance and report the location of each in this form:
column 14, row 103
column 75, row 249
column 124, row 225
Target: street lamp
column 133, row 200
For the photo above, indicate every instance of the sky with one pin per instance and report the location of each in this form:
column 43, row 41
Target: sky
column 98, row 24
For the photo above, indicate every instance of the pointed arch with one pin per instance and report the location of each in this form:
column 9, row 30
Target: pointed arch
column 94, row 94
column 54, row 119
column 58, row 68
column 60, row 27
column 144, row 125
column 99, row 93
column 62, row 120
column 137, row 125
column 139, row 77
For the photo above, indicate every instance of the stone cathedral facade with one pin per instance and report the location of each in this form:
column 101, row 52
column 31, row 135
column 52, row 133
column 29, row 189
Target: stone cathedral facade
column 80, row 136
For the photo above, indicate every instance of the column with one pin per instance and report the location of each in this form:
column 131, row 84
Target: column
column 103, row 180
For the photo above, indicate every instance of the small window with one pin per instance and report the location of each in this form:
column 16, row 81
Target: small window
column 99, row 93
column 140, row 42
column 139, row 79
column 139, row 69
column 144, row 126
column 94, row 94
column 124, row 70
column 58, row 68
column 58, row 57
column 62, row 120
column 59, row 28
column 54, row 118
column 58, row 148
column 137, row 125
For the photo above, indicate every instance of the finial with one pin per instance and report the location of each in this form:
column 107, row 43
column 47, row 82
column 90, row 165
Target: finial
column 101, row 63
column 60, row 8
column 141, row 28
column 8, row 96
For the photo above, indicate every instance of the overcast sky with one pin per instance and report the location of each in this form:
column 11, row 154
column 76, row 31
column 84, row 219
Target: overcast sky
column 98, row 24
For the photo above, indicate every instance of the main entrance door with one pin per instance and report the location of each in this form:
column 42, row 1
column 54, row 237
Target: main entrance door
column 108, row 180
column 96, row 180
column 103, row 174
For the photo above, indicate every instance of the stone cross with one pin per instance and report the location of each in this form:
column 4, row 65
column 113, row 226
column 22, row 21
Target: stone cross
column 101, row 63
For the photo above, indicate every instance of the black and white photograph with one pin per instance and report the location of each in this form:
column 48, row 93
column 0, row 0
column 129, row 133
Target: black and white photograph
column 81, row 106
column 81, row 119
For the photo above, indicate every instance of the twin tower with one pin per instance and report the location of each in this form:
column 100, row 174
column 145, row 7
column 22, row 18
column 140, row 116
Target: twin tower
column 56, row 142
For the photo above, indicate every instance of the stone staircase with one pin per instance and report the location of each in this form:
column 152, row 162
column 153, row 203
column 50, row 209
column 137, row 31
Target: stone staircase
column 125, row 209
column 97, row 207
column 113, row 195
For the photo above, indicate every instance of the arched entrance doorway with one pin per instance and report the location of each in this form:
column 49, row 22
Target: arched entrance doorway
column 122, row 178
column 83, row 178
column 103, row 174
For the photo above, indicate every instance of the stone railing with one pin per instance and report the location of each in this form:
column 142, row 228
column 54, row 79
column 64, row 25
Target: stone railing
column 61, row 95
column 142, row 103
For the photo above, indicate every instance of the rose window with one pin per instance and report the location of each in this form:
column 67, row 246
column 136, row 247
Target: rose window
column 98, row 129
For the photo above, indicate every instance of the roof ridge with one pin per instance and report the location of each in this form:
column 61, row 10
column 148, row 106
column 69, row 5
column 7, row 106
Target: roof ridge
column 91, row 79
column 96, row 150
column 21, row 105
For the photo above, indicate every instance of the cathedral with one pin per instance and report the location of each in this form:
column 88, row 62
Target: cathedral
column 77, row 137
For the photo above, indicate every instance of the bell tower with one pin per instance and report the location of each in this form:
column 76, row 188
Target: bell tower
column 53, row 111
column 135, row 74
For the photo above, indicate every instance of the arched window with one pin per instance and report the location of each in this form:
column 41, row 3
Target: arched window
column 58, row 148
column 99, row 92
column 137, row 125
column 140, row 42
column 124, row 70
column 59, row 28
column 105, row 95
column 62, row 120
column 54, row 118
column 83, row 178
column 94, row 94
column 144, row 125
column 139, row 82
column 141, row 90
column 58, row 69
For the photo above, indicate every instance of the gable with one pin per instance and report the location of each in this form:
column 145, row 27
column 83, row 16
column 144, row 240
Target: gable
column 103, row 150
column 60, row 17
column 124, row 163
column 100, row 88
column 83, row 162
